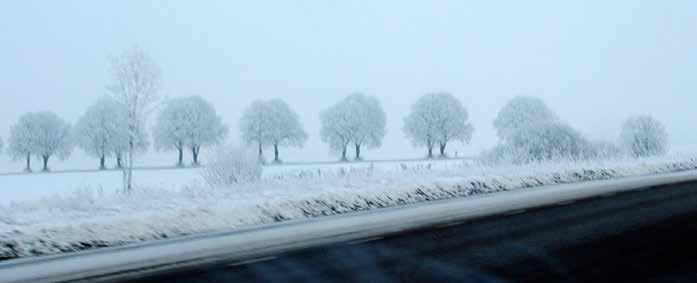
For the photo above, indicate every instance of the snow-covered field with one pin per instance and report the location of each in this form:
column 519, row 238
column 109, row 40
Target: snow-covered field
column 62, row 212
column 40, row 186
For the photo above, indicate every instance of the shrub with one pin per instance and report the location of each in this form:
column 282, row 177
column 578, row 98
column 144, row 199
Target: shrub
column 232, row 165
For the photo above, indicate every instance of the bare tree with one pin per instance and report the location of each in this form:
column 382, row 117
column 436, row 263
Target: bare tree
column 254, row 126
column 135, row 84
column 188, row 122
column 99, row 130
column 21, row 142
column 272, row 123
column 121, row 140
column 644, row 136
column 437, row 119
column 52, row 137
column 369, row 122
column 357, row 119
column 285, row 128
column 42, row 134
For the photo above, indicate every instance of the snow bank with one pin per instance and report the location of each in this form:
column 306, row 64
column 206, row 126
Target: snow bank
column 89, row 218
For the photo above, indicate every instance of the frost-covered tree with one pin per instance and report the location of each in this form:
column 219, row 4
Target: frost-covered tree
column 437, row 119
column 644, row 136
column 285, row 128
column 549, row 141
column 99, row 131
column 52, row 136
column 520, row 112
column 271, row 123
column 42, row 134
column 189, row 122
column 336, row 128
column 370, row 122
column 357, row 119
column 531, row 132
column 122, row 144
column 135, row 84
column 254, row 126
column 603, row 150
column 21, row 141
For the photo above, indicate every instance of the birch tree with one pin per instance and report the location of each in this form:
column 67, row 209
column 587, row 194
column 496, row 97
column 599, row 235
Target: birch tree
column 135, row 84
column 435, row 120
column 121, row 141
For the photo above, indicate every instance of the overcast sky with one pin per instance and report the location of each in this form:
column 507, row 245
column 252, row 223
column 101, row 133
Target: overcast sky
column 593, row 62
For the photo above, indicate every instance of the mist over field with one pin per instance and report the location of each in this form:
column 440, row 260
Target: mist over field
column 595, row 63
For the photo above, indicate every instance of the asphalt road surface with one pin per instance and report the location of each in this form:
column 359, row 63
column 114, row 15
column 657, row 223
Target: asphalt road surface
column 641, row 236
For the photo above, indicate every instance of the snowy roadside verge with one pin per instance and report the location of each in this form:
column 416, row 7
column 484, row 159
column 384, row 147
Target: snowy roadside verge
column 91, row 220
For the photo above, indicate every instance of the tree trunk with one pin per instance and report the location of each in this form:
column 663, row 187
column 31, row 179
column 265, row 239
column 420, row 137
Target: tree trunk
column 261, row 152
column 275, row 153
column 429, row 145
column 28, row 169
column 194, row 152
column 343, row 154
column 129, row 171
column 102, row 162
column 442, row 149
column 358, row 152
column 45, row 159
column 118, row 162
column 180, row 163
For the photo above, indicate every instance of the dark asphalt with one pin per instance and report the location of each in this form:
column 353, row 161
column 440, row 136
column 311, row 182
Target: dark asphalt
column 645, row 236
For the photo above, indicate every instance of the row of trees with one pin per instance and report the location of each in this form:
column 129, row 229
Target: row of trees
column 114, row 126
column 527, row 128
column 531, row 132
column 191, row 123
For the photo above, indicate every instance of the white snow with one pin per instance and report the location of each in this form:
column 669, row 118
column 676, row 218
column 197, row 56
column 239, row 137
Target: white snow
column 38, row 186
column 172, row 203
column 257, row 243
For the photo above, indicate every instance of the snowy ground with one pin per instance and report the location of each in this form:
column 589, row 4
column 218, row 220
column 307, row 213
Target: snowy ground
column 38, row 186
column 53, row 213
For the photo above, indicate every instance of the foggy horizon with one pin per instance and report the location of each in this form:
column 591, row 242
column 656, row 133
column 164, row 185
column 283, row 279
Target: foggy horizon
column 595, row 64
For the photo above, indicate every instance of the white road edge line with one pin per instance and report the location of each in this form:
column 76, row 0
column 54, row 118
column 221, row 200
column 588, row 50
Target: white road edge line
column 566, row 202
column 448, row 225
column 371, row 239
column 514, row 212
column 256, row 260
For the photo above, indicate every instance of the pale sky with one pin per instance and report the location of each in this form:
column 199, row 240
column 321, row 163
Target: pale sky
column 594, row 62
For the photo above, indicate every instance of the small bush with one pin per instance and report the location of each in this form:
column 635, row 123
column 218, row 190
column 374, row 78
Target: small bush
column 232, row 165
